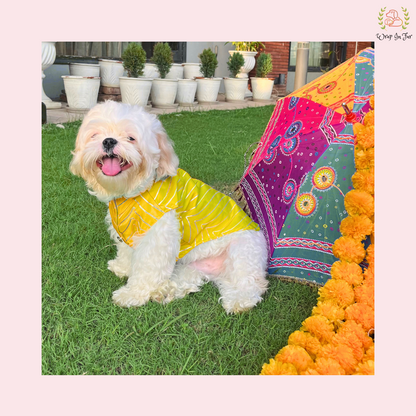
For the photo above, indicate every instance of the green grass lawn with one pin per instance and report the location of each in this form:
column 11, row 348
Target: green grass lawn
column 83, row 332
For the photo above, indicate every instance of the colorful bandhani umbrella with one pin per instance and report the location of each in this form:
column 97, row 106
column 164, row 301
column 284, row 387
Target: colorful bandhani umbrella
column 302, row 168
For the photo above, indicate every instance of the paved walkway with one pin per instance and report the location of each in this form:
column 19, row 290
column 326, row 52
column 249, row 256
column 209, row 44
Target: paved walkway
column 64, row 114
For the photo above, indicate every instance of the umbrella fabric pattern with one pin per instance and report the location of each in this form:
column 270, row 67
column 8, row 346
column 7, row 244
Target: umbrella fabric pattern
column 301, row 170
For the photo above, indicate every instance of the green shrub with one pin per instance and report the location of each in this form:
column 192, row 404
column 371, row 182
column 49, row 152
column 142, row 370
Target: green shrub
column 209, row 63
column 235, row 63
column 134, row 58
column 264, row 65
column 163, row 58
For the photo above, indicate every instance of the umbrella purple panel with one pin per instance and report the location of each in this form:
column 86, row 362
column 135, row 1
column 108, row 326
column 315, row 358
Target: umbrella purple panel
column 298, row 177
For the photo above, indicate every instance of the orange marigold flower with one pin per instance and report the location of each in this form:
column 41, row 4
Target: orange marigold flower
column 320, row 327
column 364, row 159
column 352, row 327
column 342, row 354
column 359, row 202
column 358, row 227
column 372, row 102
column 349, row 249
column 357, row 127
column 365, row 293
column 328, row 366
column 309, row 372
column 370, row 254
column 350, row 272
column 277, row 368
column 306, row 341
column 298, row 356
column 350, row 339
column 362, row 314
column 369, row 354
column 369, row 118
column 364, row 180
column 369, row 274
column 365, row 137
column 330, row 309
column 339, row 291
column 365, row 369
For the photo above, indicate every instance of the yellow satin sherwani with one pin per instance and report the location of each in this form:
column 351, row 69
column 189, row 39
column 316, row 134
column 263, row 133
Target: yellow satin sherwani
column 204, row 213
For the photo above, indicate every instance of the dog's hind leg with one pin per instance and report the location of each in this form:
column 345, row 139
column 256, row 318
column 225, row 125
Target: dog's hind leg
column 243, row 281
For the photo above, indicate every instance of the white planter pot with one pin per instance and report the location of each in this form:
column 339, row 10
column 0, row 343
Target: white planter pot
column 84, row 70
column 207, row 90
column 111, row 71
column 235, row 89
column 163, row 92
column 135, row 91
column 48, row 58
column 176, row 72
column 81, row 92
column 151, row 71
column 186, row 92
column 262, row 88
column 191, row 70
column 249, row 63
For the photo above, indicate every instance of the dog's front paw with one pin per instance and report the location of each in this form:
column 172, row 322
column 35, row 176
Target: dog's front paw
column 118, row 268
column 127, row 297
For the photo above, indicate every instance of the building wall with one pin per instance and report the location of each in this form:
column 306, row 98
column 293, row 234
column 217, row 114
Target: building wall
column 280, row 59
column 352, row 46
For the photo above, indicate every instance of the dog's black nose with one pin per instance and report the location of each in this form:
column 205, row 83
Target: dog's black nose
column 109, row 143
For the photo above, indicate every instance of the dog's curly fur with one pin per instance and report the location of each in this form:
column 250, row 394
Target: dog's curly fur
column 235, row 263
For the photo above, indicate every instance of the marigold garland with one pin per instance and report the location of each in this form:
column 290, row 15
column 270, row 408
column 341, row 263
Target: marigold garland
column 359, row 202
column 349, row 249
column 350, row 272
column 357, row 227
column 336, row 339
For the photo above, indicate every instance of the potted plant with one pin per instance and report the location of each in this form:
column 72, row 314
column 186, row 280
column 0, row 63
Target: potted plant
column 110, row 71
column 82, row 69
column 164, row 90
column 176, row 72
column 261, row 85
column 191, row 70
column 81, row 92
column 249, row 50
column 186, row 92
column 135, row 89
column 208, row 86
column 235, row 88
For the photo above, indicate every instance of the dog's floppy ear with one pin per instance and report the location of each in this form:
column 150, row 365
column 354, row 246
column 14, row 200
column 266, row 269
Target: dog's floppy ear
column 168, row 162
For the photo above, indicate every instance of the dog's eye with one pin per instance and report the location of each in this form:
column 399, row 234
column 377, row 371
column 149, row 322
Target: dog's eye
column 131, row 139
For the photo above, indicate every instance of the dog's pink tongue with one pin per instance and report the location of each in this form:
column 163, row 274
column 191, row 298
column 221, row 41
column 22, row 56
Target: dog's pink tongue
column 111, row 166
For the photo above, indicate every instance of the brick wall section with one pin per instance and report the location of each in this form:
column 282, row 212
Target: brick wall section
column 280, row 58
column 351, row 48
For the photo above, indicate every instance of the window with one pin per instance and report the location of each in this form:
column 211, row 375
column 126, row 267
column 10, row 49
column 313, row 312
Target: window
column 322, row 55
column 91, row 51
column 178, row 50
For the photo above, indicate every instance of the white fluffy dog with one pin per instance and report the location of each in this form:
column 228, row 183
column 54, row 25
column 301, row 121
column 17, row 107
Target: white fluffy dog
column 123, row 153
